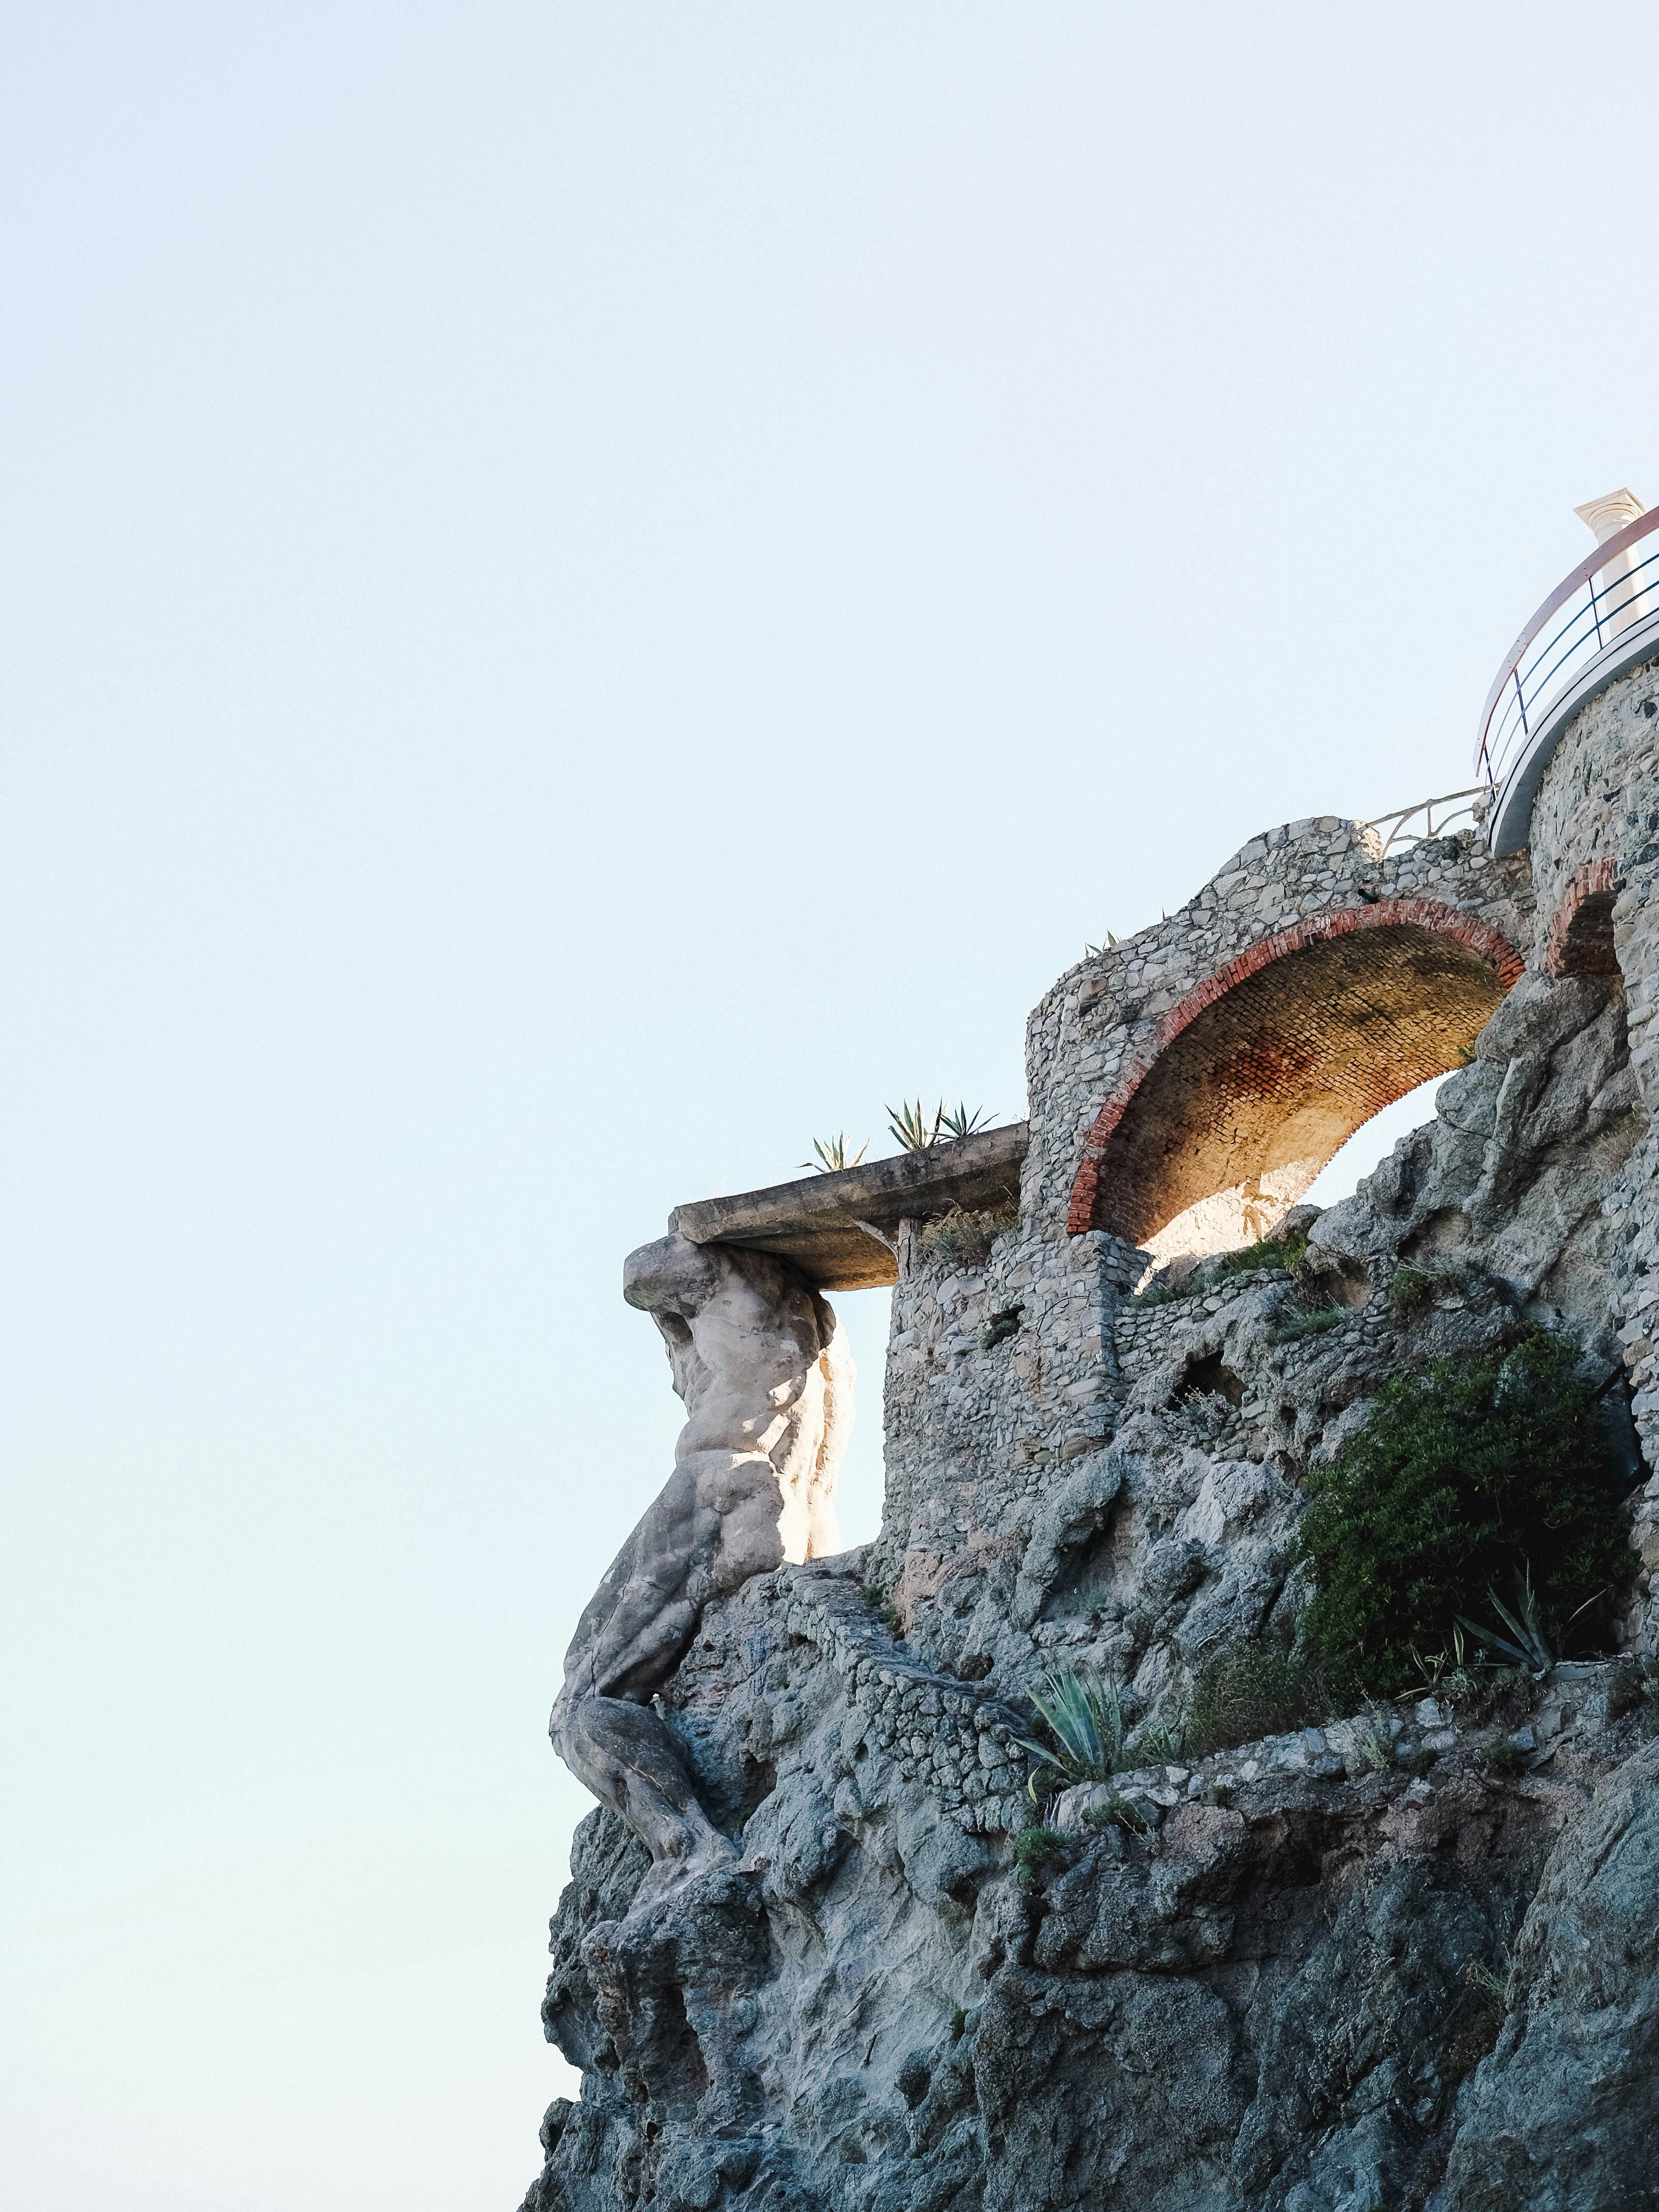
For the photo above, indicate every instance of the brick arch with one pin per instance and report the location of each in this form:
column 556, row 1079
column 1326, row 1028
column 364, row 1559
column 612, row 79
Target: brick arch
column 1579, row 939
column 1263, row 1071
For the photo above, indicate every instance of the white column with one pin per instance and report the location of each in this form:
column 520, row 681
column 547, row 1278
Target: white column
column 1605, row 516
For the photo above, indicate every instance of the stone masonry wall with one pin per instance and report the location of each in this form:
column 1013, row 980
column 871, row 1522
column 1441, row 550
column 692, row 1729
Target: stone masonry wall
column 996, row 1374
column 1007, row 1366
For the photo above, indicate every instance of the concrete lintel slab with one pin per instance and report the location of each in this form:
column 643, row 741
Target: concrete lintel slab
column 814, row 1223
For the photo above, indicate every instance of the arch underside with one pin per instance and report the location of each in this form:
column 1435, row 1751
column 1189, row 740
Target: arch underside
column 1242, row 1110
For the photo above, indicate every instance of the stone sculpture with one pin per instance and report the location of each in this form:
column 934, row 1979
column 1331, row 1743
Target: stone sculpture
column 763, row 1368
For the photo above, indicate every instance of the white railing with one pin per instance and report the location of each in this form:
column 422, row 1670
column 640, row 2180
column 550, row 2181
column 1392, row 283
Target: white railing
column 1608, row 594
column 1439, row 815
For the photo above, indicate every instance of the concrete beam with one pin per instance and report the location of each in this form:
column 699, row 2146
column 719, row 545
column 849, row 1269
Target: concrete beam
column 815, row 1223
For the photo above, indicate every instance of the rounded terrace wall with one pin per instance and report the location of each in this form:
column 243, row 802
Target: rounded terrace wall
column 1595, row 860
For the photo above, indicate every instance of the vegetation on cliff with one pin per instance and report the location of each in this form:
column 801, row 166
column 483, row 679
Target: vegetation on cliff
column 1469, row 1473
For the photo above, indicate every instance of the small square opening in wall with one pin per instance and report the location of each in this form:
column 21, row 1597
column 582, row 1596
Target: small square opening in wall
column 1000, row 1326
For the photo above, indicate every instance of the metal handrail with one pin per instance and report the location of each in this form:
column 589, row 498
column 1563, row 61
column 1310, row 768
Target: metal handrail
column 1520, row 684
column 1594, row 617
column 1401, row 816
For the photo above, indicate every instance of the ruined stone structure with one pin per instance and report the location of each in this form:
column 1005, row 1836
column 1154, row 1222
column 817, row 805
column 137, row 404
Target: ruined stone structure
column 1341, row 1970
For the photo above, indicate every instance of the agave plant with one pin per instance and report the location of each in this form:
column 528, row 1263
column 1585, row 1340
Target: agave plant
column 1528, row 1644
column 832, row 1155
column 1083, row 1721
column 959, row 1123
column 910, row 1124
column 916, row 1133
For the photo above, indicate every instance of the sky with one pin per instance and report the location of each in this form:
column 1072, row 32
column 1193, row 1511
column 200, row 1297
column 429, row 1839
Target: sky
column 589, row 595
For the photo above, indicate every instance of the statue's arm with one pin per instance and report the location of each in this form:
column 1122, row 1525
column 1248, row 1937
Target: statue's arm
column 638, row 1623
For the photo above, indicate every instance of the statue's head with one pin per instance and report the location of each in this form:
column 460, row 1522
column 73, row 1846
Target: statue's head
column 671, row 1277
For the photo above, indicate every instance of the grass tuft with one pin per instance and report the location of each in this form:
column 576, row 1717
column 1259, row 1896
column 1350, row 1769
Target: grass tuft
column 1413, row 1290
column 1292, row 1327
column 1116, row 1812
column 1247, row 1690
column 961, row 1239
column 1289, row 1251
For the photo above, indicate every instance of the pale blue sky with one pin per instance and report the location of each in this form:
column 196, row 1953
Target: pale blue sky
column 591, row 593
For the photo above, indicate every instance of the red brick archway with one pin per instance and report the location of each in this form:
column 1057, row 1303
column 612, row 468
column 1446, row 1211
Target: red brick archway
column 1262, row 1072
column 1579, row 939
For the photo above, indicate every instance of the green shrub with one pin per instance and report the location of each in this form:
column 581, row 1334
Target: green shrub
column 1373, row 1741
column 1034, row 1844
column 1414, row 1289
column 1116, row 1812
column 1503, row 1757
column 1200, row 1415
column 1288, row 1251
column 999, row 1328
column 885, row 1612
column 1469, row 1472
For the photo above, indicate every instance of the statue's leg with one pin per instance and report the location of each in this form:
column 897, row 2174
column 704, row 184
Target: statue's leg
column 627, row 1757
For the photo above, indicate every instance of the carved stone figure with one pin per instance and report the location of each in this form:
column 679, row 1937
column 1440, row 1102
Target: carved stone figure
column 761, row 1363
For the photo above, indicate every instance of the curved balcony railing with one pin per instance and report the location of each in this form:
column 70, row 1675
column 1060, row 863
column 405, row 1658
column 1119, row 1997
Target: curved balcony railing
column 1608, row 594
column 1430, row 817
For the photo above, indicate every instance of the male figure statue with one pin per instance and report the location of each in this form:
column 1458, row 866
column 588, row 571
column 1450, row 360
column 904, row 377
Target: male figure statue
column 761, row 1363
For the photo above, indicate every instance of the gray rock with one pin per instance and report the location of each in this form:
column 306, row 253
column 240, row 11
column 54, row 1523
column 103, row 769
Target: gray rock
column 1562, row 2116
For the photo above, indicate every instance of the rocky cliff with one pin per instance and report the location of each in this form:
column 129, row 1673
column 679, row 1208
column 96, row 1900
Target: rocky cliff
column 1400, row 1954
column 1307, row 1991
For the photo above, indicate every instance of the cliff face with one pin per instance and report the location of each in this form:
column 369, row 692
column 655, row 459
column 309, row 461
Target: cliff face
column 1321, row 1992
column 1405, row 1959
column 1333, row 1970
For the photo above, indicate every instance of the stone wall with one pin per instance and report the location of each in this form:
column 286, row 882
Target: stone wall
column 994, row 1373
column 1000, row 1371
